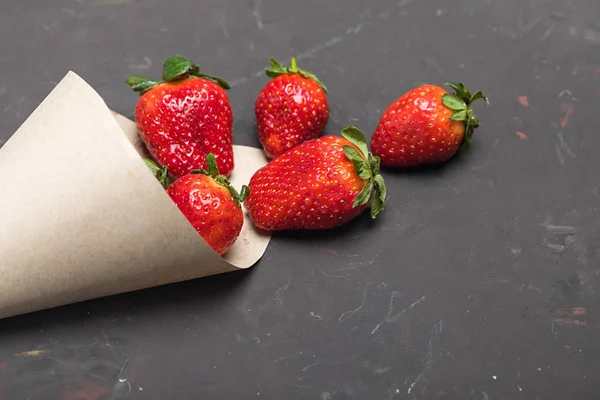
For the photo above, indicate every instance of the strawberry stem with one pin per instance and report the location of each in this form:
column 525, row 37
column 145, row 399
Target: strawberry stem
column 213, row 172
column 174, row 68
column 366, row 166
column 460, row 102
column 277, row 69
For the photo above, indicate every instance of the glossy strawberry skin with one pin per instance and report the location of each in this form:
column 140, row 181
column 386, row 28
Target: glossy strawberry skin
column 290, row 109
column 312, row 186
column 210, row 208
column 182, row 121
column 416, row 130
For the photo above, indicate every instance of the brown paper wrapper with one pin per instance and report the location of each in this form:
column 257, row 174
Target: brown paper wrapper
column 82, row 217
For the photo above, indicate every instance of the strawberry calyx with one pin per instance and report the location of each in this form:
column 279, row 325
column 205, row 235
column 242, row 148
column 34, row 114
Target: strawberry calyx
column 213, row 172
column 174, row 68
column 460, row 102
column 277, row 69
column 367, row 167
column 161, row 173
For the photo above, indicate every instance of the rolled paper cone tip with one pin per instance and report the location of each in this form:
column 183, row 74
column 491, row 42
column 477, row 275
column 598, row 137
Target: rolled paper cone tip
column 82, row 217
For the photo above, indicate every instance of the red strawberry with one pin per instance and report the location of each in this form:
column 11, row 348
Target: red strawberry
column 290, row 109
column 425, row 126
column 208, row 201
column 184, row 117
column 321, row 183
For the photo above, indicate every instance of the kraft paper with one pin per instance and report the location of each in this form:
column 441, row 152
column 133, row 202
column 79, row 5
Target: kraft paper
column 82, row 217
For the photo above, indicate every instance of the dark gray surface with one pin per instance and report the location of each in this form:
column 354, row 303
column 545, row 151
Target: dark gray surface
column 480, row 279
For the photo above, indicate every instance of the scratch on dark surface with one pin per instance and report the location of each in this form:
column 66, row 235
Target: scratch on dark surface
column 328, row 362
column 222, row 23
column 74, row 367
column 389, row 317
column 288, row 356
column 257, row 16
column 332, row 275
column 350, row 313
column 547, row 33
column 320, row 47
column 561, row 158
column 568, row 93
column 557, row 248
column 428, row 358
column 280, row 290
column 32, row 353
column 122, row 386
column 563, row 144
column 316, row 316
column 560, row 229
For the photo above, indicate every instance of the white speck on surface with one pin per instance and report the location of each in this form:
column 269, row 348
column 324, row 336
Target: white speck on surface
column 397, row 390
column 520, row 388
column 515, row 251
column 494, row 376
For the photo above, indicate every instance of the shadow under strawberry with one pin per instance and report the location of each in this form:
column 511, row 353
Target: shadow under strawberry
column 357, row 226
column 457, row 162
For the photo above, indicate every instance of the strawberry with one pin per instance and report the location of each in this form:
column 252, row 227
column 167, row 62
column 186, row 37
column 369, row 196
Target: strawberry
column 208, row 201
column 321, row 183
column 427, row 125
column 184, row 117
column 290, row 109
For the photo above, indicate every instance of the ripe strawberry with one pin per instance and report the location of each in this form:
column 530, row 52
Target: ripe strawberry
column 290, row 109
column 208, row 201
column 184, row 117
column 427, row 125
column 320, row 184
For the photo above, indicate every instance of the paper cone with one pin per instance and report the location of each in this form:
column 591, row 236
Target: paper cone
column 82, row 217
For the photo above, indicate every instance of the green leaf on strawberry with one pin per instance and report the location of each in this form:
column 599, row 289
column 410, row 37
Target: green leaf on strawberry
column 161, row 173
column 460, row 102
column 174, row 68
column 277, row 69
column 213, row 172
column 367, row 167
column 140, row 84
